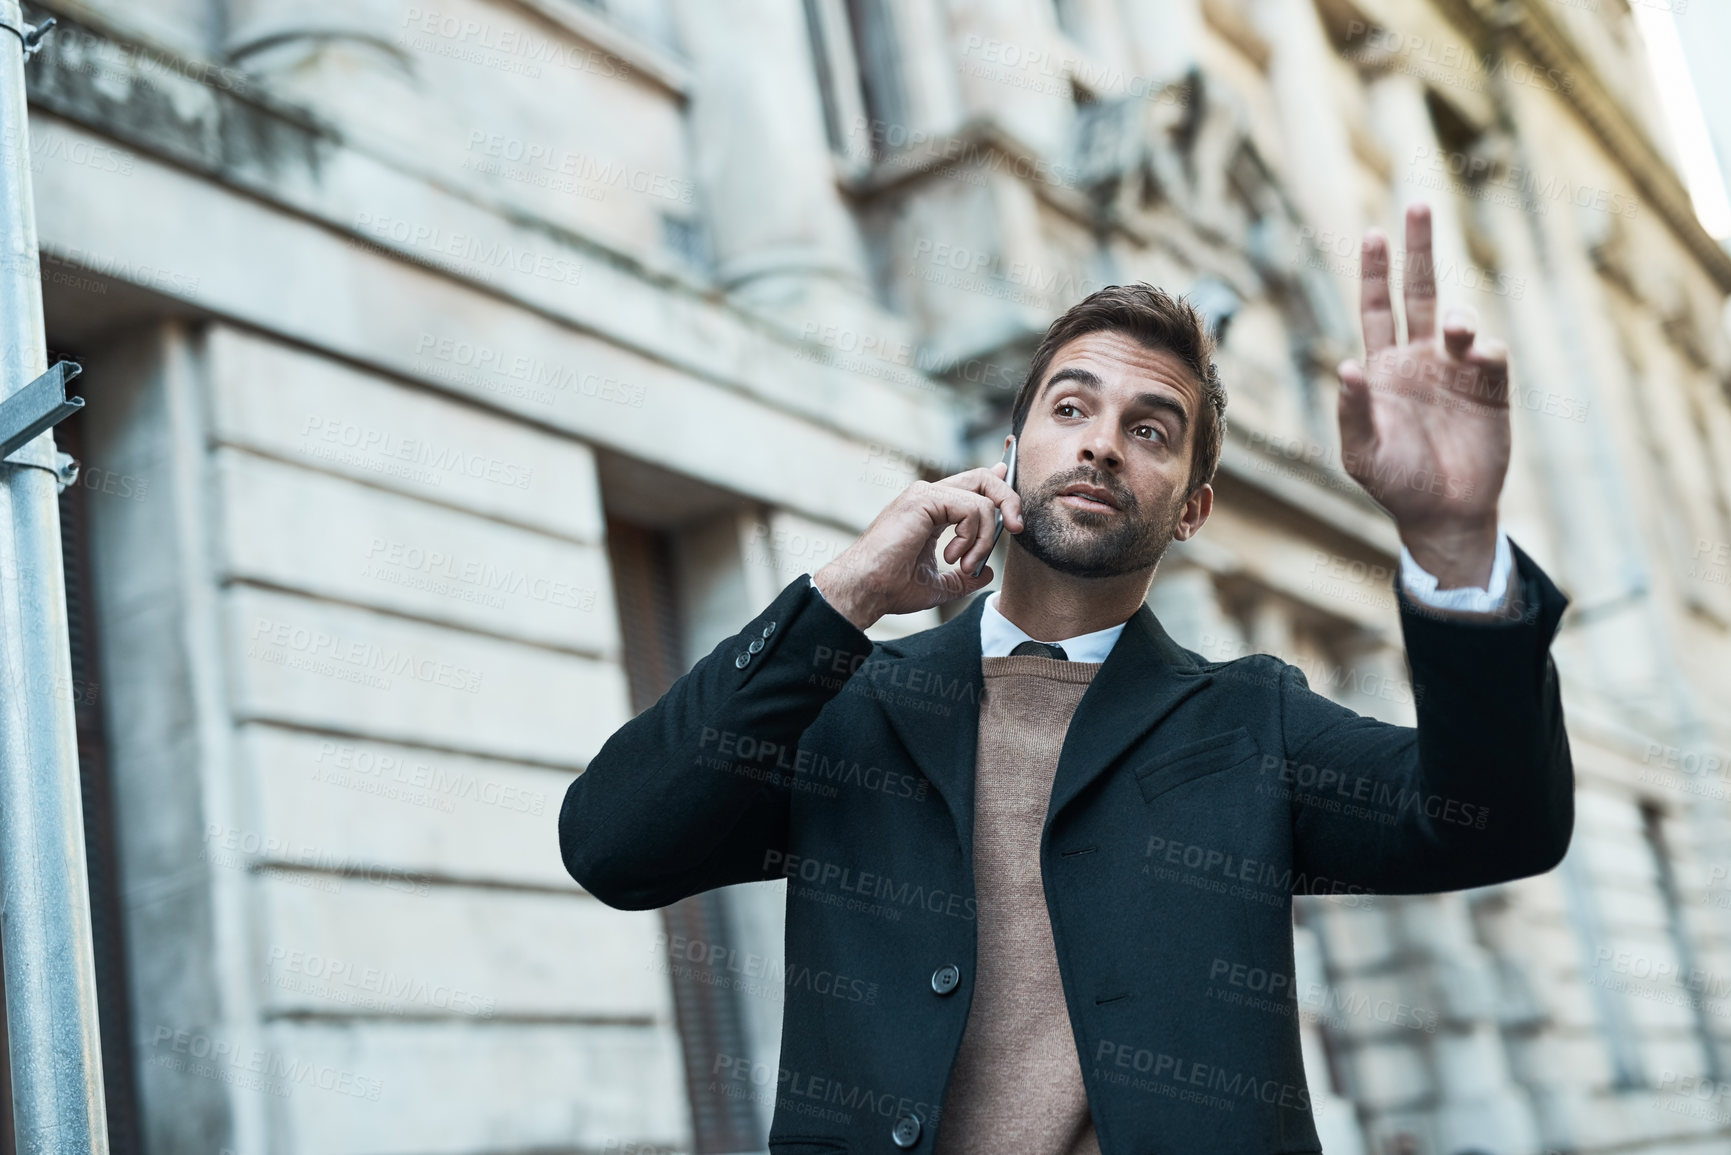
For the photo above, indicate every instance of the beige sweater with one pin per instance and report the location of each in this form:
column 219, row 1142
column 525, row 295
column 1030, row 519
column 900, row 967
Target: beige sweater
column 1017, row 1085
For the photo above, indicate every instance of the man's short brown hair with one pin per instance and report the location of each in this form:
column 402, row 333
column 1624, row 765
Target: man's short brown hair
column 1157, row 320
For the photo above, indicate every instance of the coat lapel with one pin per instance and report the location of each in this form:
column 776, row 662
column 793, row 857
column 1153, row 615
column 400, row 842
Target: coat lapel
column 1144, row 678
column 929, row 687
column 940, row 727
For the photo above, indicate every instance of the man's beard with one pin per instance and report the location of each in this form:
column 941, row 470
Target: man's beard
column 1088, row 544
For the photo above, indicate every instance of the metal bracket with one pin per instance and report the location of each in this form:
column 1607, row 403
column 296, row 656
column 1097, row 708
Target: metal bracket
column 37, row 407
column 30, row 35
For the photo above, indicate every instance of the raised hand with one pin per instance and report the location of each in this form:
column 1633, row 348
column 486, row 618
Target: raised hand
column 892, row 568
column 1424, row 423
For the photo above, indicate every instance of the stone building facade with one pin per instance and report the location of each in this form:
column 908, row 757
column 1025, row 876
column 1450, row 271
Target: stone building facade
column 460, row 371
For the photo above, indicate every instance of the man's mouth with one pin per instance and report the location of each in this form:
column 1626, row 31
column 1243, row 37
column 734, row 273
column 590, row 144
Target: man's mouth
column 1087, row 495
column 1083, row 501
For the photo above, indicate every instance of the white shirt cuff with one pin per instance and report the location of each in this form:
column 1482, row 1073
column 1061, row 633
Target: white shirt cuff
column 812, row 582
column 1420, row 583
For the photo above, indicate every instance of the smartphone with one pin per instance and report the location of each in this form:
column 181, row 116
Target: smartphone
column 998, row 514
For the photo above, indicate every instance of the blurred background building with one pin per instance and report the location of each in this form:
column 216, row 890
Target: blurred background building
column 460, row 372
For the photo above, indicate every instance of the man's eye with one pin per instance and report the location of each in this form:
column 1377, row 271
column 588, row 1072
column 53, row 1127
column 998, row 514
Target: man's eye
column 1155, row 429
column 1063, row 405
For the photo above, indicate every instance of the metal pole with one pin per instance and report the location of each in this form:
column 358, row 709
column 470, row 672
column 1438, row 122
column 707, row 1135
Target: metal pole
column 51, row 1020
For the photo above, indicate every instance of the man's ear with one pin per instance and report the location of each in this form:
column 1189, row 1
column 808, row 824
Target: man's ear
column 1196, row 510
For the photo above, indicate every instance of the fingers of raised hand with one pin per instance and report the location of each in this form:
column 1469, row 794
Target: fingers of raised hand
column 1490, row 358
column 1376, row 305
column 1357, row 428
column 1477, row 366
column 1460, row 327
column 1418, row 282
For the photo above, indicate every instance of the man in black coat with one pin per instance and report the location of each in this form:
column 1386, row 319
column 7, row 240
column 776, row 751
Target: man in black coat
column 1191, row 799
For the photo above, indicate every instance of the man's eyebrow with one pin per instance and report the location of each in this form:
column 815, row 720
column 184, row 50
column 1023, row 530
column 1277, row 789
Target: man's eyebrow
column 1091, row 382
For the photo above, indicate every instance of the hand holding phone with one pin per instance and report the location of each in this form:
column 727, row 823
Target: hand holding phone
column 892, row 568
column 1010, row 480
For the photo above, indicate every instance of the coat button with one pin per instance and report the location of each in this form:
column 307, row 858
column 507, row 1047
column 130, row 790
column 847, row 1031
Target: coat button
column 742, row 659
column 906, row 1132
column 756, row 645
column 945, row 978
column 769, row 629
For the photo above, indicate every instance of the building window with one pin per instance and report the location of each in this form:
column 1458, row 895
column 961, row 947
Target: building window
column 854, row 49
column 1616, row 1023
column 880, row 73
column 685, row 238
column 1682, row 943
column 650, row 21
column 646, row 586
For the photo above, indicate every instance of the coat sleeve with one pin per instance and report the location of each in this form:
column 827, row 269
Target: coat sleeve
column 1481, row 791
column 693, row 793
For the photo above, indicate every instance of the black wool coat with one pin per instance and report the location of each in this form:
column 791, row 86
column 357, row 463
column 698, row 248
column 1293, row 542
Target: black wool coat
column 1192, row 799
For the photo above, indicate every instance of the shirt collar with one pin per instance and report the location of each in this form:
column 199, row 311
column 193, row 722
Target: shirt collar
column 999, row 635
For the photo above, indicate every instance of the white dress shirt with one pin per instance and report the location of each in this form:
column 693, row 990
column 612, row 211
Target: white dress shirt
column 999, row 635
column 1420, row 583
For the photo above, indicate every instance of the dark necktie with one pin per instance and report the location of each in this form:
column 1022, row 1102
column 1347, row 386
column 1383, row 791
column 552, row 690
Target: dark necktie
column 1033, row 649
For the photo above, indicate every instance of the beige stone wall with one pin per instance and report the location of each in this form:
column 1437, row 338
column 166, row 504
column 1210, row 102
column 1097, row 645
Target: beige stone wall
column 389, row 306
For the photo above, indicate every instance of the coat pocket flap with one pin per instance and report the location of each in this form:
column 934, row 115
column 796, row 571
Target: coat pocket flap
column 1193, row 760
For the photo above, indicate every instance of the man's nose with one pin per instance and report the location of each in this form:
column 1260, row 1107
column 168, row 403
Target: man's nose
column 1103, row 451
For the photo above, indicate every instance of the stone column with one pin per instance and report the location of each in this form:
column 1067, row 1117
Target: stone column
column 1573, row 465
column 1271, row 629
column 1015, row 71
column 1165, row 38
column 934, row 94
column 1380, row 686
column 1319, row 166
column 1402, row 122
column 1097, row 26
column 1185, row 601
column 726, row 574
column 782, row 237
column 176, row 761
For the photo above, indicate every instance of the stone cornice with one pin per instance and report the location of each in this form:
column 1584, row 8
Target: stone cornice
column 1527, row 23
column 1309, row 491
column 985, row 138
column 980, row 138
column 243, row 138
column 651, row 62
column 1316, row 494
